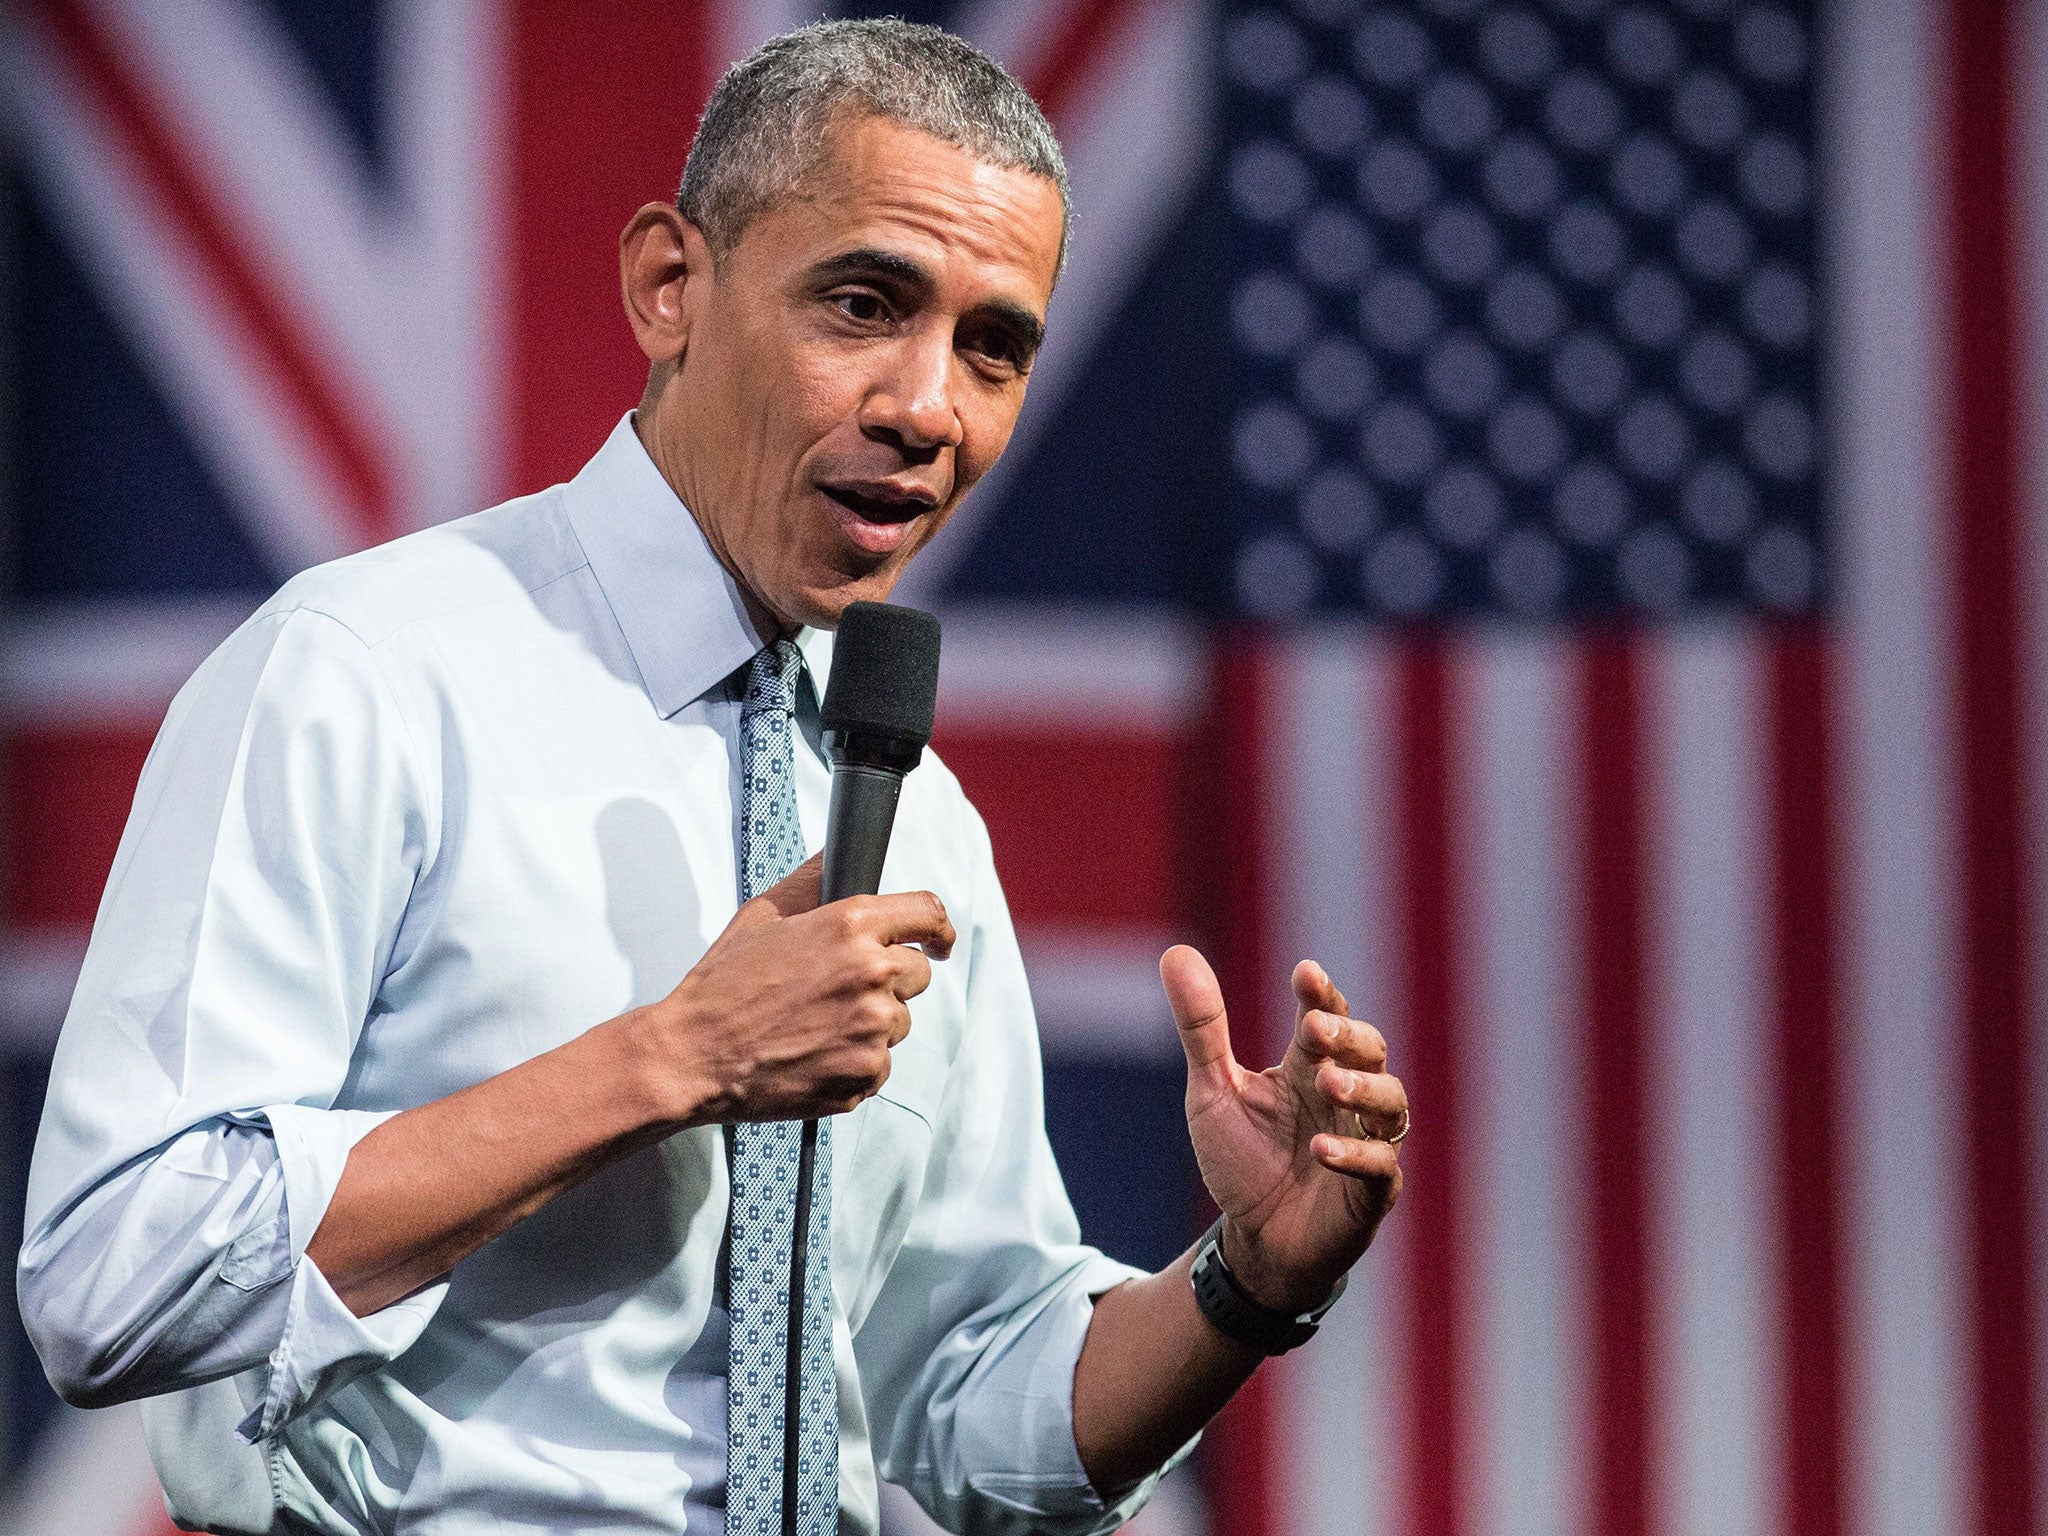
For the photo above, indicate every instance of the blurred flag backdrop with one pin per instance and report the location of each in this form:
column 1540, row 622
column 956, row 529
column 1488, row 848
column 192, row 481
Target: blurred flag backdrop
column 1537, row 504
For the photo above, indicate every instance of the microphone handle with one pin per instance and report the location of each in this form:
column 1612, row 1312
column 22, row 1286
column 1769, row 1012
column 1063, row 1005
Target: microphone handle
column 857, row 827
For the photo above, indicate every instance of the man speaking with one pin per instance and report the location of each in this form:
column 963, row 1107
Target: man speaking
column 418, row 1143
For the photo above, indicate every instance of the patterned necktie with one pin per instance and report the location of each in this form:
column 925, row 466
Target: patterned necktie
column 766, row 1156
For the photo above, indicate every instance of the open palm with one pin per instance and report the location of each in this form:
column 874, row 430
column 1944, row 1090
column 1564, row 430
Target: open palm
column 1283, row 1151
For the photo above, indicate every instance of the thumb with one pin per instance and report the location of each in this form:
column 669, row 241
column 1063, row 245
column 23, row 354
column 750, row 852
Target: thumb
column 795, row 892
column 1197, row 1004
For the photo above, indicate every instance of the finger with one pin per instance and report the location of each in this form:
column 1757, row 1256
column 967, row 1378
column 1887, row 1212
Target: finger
column 795, row 892
column 1314, row 989
column 1349, row 1042
column 904, row 917
column 1359, row 1158
column 1197, row 1003
column 913, row 971
column 1377, row 1098
column 899, row 1029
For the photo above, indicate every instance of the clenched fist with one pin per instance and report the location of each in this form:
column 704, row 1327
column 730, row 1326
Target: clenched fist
column 791, row 1012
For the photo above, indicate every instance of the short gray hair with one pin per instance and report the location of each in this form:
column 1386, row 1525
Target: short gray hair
column 769, row 121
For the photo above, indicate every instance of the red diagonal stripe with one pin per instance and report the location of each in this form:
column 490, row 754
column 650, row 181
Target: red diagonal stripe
column 292, row 362
column 1085, row 36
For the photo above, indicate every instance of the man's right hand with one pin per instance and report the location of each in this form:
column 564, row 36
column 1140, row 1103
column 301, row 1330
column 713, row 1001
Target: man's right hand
column 789, row 1015
column 791, row 1012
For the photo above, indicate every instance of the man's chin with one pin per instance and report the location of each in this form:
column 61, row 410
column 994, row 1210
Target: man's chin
column 821, row 604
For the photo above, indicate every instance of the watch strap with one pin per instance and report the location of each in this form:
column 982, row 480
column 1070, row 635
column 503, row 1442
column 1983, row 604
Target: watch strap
column 1236, row 1315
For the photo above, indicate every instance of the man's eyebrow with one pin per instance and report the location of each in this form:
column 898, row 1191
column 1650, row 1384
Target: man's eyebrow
column 1014, row 317
column 868, row 262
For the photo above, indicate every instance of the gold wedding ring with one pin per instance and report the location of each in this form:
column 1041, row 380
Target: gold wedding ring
column 1364, row 1135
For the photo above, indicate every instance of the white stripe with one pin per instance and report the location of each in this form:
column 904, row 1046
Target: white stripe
column 1521, row 1090
column 384, row 279
column 1135, row 143
column 1098, row 995
column 1911, row 1452
column 1327, row 739
column 146, row 278
column 1716, row 1261
column 1030, row 664
column 87, row 661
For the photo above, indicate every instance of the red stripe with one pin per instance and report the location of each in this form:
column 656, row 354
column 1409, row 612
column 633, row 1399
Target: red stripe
column 64, row 799
column 292, row 362
column 1611, row 835
column 1231, row 850
column 1426, row 1034
column 605, row 98
column 1076, row 49
column 1083, row 821
column 1997, row 910
column 1803, row 912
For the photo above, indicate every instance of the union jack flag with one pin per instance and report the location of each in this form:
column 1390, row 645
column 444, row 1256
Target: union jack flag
column 1533, row 503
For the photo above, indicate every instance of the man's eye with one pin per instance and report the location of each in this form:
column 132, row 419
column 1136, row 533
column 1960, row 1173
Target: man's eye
column 864, row 307
column 1002, row 351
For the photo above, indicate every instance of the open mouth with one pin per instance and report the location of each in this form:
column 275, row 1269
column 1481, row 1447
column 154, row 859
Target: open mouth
column 876, row 509
column 876, row 524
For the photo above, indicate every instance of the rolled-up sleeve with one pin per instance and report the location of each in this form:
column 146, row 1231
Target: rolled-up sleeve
column 967, row 1356
column 190, row 1142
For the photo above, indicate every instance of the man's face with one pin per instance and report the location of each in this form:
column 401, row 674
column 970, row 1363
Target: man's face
column 855, row 363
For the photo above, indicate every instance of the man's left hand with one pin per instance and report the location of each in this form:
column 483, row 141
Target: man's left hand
column 1296, row 1157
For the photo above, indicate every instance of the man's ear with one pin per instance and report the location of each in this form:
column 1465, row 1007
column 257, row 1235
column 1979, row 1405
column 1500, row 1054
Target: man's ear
column 664, row 267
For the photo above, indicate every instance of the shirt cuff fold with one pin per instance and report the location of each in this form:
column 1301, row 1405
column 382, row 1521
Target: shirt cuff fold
column 1024, row 1417
column 324, row 1345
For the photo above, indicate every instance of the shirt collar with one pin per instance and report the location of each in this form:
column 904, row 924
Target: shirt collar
column 683, row 616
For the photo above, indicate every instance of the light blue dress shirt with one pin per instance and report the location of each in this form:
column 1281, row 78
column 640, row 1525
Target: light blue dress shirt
column 434, row 809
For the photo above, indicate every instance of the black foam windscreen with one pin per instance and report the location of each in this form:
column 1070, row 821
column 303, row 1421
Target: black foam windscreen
column 885, row 672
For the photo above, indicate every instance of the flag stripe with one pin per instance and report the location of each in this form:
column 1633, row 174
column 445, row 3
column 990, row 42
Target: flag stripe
column 1800, row 708
column 1085, row 34
column 582, row 79
column 294, row 363
column 1431, row 1013
column 1715, row 1260
column 64, row 800
column 1996, row 913
column 1611, row 820
column 1116, row 789
column 1523, row 1089
column 1913, row 1442
column 1334, row 1470
column 1241, row 1467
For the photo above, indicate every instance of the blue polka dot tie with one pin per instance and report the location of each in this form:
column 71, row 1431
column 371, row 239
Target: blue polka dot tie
column 765, row 1160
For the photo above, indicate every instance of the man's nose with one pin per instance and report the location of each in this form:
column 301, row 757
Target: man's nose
column 913, row 405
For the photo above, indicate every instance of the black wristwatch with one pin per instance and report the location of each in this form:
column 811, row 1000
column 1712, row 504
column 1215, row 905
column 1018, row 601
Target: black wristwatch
column 1227, row 1304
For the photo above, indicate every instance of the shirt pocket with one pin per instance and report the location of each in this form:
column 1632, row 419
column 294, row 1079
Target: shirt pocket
column 260, row 1256
column 880, row 1155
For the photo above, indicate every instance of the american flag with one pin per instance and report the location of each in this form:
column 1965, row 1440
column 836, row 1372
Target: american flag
column 1525, row 502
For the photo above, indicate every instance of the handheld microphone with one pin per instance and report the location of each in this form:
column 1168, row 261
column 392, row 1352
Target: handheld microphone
column 877, row 718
